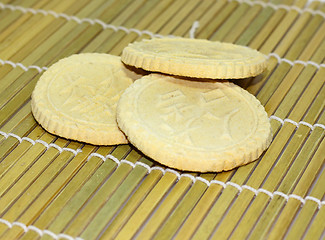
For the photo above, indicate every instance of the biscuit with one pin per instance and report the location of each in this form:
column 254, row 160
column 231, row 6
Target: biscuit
column 195, row 58
column 76, row 98
column 193, row 125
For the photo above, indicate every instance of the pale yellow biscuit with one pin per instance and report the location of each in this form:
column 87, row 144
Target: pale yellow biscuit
column 193, row 125
column 76, row 98
column 195, row 58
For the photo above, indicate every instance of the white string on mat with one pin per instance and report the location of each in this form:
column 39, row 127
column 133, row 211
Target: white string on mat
column 144, row 32
column 79, row 20
column 193, row 29
column 47, row 145
column 240, row 188
column 178, row 175
column 76, row 151
column 292, row 63
column 117, row 161
column 209, row 183
column 297, row 124
column 37, row 230
column 15, row 65
column 149, row 169
column 281, row 6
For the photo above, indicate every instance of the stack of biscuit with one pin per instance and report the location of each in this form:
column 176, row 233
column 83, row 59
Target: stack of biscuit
column 183, row 114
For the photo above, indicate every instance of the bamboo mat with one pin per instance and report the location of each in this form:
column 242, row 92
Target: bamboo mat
column 51, row 188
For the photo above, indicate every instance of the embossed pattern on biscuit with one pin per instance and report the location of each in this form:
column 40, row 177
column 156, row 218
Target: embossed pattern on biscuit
column 195, row 126
column 195, row 58
column 76, row 98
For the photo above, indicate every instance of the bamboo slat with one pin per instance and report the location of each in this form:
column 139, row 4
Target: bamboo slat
column 143, row 211
column 86, row 194
column 133, row 203
column 105, row 41
column 291, row 207
column 199, row 12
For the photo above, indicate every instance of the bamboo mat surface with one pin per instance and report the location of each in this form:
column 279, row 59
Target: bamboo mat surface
column 52, row 188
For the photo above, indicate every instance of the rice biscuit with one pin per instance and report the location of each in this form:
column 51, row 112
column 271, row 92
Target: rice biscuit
column 194, row 125
column 76, row 98
column 197, row 58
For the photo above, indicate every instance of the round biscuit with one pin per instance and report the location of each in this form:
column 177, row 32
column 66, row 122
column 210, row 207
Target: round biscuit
column 197, row 58
column 76, row 98
column 193, row 125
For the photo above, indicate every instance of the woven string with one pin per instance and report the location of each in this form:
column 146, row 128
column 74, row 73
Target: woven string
column 178, row 175
column 145, row 32
column 37, row 230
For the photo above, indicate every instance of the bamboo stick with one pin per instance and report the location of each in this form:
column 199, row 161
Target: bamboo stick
column 176, row 218
column 18, row 125
column 264, row 26
column 13, row 82
column 132, row 204
column 101, row 177
column 258, row 232
column 285, row 29
column 59, row 40
column 30, row 53
column 292, row 207
column 133, row 177
column 250, row 218
column 13, row 23
column 18, row 170
column 157, row 25
column 37, row 184
column 196, row 15
column 12, row 155
column 88, row 211
column 116, row 43
column 17, row 101
column 105, row 41
column 22, row 114
column 147, row 206
column 184, row 11
column 231, row 21
column 31, row 28
column 272, row 208
column 53, row 26
column 217, row 16
column 202, row 207
column 80, row 179
column 314, row 88
column 297, row 135
column 269, row 94
column 159, row 215
column 316, row 230
column 108, row 210
column 280, row 31
column 108, row 38
column 92, row 31
column 246, row 20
